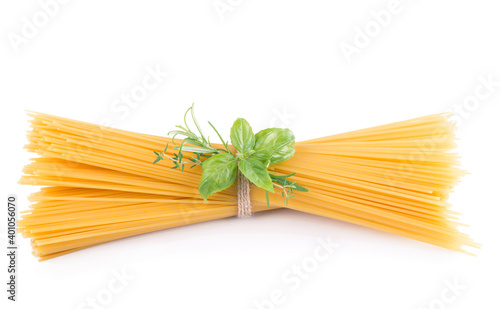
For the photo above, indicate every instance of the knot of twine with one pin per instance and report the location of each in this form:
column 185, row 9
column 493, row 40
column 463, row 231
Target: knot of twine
column 244, row 205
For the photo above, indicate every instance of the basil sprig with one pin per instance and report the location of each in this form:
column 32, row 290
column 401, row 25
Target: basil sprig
column 254, row 155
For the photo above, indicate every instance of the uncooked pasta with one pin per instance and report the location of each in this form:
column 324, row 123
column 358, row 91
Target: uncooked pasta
column 98, row 184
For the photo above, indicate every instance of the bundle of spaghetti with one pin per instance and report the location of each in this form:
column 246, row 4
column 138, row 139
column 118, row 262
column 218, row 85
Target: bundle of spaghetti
column 99, row 184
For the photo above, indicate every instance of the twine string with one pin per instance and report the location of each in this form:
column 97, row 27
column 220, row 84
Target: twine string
column 244, row 205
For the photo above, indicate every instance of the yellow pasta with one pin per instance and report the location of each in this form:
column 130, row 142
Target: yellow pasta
column 99, row 184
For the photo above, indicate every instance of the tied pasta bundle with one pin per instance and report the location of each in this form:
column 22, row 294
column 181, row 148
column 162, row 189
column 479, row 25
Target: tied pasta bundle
column 99, row 184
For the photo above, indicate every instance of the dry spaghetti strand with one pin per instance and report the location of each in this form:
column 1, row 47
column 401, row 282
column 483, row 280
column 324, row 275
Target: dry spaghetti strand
column 98, row 184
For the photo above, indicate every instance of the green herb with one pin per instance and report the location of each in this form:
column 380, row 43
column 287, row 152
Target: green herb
column 287, row 186
column 257, row 173
column 220, row 166
column 274, row 145
column 242, row 136
column 219, row 173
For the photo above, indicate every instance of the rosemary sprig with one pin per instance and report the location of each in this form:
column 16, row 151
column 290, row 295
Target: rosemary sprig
column 197, row 144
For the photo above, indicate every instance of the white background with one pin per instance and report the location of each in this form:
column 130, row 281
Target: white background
column 276, row 63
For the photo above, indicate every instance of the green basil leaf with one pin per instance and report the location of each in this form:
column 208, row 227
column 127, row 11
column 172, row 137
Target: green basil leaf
column 274, row 145
column 257, row 173
column 242, row 136
column 219, row 173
